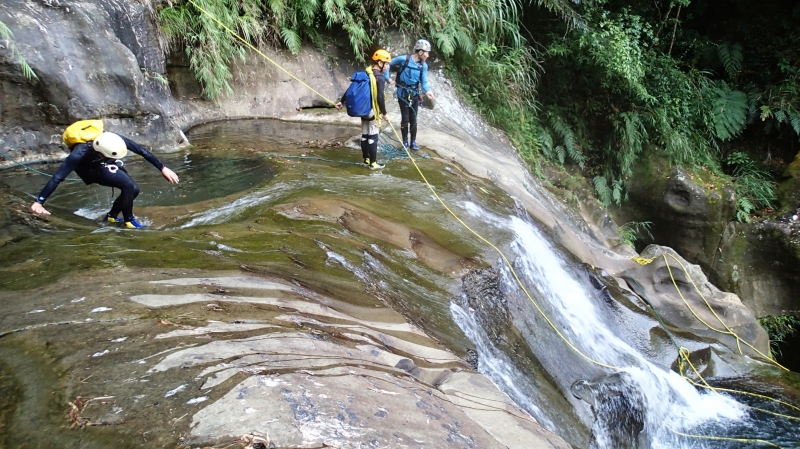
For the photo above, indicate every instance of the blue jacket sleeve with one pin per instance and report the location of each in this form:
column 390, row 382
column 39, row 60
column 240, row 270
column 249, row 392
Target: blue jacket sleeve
column 142, row 151
column 397, row 61
column 69, row 164
column 424, row 78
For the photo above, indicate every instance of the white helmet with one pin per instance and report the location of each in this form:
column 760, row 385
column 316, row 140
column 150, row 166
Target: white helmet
column 423, row 45
column 110, row 145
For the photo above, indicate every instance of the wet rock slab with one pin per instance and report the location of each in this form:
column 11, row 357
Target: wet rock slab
column 354, row 385
column 271, row 362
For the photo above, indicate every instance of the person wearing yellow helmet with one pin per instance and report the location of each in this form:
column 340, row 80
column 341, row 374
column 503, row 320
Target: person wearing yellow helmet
column 100, row 162
column 369, row 127
column 412, row 75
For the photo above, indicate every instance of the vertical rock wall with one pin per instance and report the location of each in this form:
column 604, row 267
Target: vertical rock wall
column 103, row 59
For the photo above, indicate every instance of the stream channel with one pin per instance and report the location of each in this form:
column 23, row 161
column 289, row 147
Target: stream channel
column 137, row 338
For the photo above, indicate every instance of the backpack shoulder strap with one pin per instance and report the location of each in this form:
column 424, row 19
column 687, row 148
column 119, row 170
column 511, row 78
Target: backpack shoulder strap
column 408, row 59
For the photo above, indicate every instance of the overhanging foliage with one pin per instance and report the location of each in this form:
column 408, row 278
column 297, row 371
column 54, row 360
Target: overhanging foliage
column 600, row 83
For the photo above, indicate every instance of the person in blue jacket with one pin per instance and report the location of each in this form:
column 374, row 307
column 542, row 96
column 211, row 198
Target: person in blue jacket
column 412, row 75
column 99, row 161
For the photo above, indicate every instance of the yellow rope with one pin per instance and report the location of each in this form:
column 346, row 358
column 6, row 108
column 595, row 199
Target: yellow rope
column 373, row 90
column 640, row 260
column 684, row 353
column 708, row 437
column 374, row 97
column 259, row 51
column 510, row 267
column 728, row 330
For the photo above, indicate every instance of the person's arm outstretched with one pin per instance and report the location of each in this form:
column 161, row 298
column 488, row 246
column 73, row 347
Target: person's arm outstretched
column 66, row 167
column 424, row 79
column 168, row 174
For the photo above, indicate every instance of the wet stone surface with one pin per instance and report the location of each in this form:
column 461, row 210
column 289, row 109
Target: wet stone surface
column 274, row 302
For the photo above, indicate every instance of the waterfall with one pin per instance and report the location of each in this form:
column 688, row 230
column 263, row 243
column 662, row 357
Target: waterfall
column 661, row 396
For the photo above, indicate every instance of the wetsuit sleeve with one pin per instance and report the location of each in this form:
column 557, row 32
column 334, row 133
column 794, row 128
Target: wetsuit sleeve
column 424, row 78
column 381, row 93
column 69, row 164
column 142, row 151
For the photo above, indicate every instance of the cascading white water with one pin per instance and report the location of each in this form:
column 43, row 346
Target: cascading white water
column 668, row 400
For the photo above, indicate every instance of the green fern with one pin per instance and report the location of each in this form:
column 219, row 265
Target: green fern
column 631, row 134
column 26, row 70
column 778, row 328
column 445, row 42
column 292, row 40
column 570, row 147
column 729, row 111
column 618, row 191
column 545, row 141
column 630, row 232
column 753, row 184
column 731, row 56
column 604, row 192
column 794, row 120
column 561, row 153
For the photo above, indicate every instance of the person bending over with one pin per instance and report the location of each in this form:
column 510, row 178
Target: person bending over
column 99, row 162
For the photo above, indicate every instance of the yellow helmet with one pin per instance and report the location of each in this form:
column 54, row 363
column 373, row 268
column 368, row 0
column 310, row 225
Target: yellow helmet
column 381, row 55
column 110, row 145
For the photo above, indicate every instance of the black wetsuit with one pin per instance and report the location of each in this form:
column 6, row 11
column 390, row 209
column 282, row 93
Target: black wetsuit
column 93, row 168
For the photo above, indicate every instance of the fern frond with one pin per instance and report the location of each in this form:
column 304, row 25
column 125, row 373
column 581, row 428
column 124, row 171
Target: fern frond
column 26, row 70
column 576, row 156
column 731, row 56
column 794, row 120
column 570, row 146
column 446, row 43
column 744, row 207
column 616, row 191
column 292, row 40
column 561, row 153
column 546, row 143
column 602, row 189
column 308, row 9
column 465, row 41
column 729, row 112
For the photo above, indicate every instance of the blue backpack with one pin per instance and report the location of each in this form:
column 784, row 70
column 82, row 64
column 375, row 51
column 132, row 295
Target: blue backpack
column 357, row 98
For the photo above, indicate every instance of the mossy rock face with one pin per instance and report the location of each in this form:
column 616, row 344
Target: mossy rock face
column 789, row 189
column 688, row 210
column 758, row 261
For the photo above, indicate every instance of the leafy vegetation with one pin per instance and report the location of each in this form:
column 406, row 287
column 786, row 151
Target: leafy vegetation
column 754, row 188
column 629, row 233
column 599, row 84
column 7, row 35
column 778, row 328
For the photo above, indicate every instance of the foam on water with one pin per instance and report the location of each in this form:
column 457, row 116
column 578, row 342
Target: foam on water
column 669, row 399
